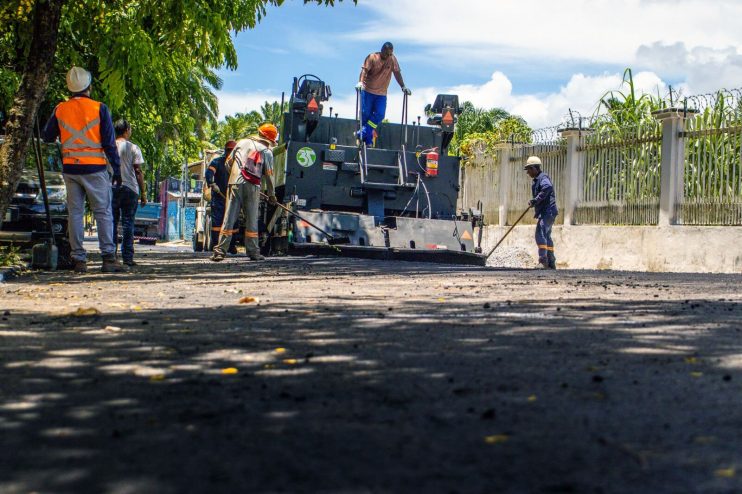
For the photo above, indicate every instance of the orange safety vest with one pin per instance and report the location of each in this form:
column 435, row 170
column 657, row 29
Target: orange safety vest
column 79, row 131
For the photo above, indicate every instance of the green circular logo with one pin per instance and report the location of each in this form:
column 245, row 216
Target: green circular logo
column 306, row 157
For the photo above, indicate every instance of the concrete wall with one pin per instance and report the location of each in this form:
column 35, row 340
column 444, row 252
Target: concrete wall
column 638, row 248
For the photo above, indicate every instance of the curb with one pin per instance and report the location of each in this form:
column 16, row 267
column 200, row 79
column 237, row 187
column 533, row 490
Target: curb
column 11, row 272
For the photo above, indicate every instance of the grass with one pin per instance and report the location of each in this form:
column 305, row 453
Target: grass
column 10, row 256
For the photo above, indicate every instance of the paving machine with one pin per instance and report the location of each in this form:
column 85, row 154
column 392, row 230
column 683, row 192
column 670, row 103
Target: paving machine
column 396, row 200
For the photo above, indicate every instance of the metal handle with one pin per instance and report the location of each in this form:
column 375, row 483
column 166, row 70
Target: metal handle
column 508, row 232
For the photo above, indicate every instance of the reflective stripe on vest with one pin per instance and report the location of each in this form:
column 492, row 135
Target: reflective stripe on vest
column 79, row 131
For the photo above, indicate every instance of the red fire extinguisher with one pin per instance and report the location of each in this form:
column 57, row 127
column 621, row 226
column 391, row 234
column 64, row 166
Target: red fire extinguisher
column 431, row 163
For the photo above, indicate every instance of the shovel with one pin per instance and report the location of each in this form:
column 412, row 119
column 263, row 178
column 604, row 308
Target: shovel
column 507, row 232
column 332, row 240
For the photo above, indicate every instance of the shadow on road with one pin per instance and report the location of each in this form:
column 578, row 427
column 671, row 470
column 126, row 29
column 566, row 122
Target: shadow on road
column 590, row 395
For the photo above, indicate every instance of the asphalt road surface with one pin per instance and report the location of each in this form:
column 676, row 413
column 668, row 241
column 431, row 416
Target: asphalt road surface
column 354, row 376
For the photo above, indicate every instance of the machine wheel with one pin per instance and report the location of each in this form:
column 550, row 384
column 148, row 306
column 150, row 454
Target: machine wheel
column 197, row 245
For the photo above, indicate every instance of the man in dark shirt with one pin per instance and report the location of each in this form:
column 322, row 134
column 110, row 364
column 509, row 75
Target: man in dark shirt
column 217, row 177
column 544, row 204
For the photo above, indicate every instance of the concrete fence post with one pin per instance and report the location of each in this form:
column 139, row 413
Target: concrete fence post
column 672, row 166
column 572, row 174
column 505, row 177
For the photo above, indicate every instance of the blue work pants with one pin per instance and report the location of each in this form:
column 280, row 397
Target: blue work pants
column 373, row 109
column 544, row 241
column 125, row 202
column 218, row 208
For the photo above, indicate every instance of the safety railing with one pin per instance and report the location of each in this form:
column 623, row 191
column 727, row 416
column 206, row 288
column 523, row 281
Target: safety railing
column 620, row 171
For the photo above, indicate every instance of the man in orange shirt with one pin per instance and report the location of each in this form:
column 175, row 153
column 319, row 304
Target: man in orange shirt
column 376, row 74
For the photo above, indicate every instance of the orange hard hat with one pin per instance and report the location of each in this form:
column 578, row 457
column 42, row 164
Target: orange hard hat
column 269, row 131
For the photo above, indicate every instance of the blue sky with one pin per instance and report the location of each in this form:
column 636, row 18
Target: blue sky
column 536, row 58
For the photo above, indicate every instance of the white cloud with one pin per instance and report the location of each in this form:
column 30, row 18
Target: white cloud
column 602, row 31
column 232, row 102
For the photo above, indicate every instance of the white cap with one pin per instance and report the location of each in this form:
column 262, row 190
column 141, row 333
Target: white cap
column 533, row 161
column 78, row 79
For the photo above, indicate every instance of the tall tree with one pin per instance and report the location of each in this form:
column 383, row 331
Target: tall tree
column 152, row 61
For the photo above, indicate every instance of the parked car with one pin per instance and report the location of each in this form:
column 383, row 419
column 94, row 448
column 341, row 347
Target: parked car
column 25, row 223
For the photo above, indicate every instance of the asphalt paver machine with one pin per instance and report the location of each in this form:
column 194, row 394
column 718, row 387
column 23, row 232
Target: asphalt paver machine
column 395, row 200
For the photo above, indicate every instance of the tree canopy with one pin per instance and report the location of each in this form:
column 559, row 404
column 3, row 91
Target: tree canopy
column 153, row 62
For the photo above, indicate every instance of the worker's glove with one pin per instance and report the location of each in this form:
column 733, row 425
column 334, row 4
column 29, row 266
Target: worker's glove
column 215, row 189
column 142, row 200
column 406, row 90
column 532, row 203
column 116, row 180
column 361, row 86
column 272, row 200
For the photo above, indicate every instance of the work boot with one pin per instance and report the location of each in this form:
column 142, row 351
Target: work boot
column 551, row 261
column 232, row 249
column 218, row 255
column 112, row 265
column 131, row 263
column 543, row 263
column 81, row 267
column 256, row 256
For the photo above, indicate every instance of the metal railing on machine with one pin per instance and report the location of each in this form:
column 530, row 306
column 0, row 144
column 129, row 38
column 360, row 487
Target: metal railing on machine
column 712, row 192
column 620, row 168
column 552, row 149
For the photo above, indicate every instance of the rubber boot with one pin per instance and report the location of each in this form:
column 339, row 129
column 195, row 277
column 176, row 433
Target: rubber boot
column 551, row 260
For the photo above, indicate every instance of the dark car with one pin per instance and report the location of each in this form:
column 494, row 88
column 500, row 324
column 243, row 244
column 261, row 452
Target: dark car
column 25, row 221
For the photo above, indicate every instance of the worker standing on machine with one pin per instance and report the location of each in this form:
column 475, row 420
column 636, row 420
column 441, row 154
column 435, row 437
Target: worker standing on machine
column 544, row 204
column 373, row 83
column 217, row 178
column 250, row 161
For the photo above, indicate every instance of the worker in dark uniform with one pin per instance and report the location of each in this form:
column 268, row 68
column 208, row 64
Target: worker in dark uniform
column 544, row 204
column 217, row 178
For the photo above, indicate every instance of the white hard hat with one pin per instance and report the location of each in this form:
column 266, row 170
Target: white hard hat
column 533, row 161
column 78, row 79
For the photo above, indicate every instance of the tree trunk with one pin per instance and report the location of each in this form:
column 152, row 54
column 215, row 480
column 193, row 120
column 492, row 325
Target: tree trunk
column 28, row 98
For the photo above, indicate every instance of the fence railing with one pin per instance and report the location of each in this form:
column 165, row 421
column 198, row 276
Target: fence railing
column 481, row 182
column 553, row 155
column 621, row 176
column 683, row 166
column 712, row 191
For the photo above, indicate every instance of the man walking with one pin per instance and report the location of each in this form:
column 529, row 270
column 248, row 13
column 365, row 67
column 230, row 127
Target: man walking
column 544, row 204
column 217, row 178
column 250, row 161
column 131, row 190
column 373, row 84
column 86, row 133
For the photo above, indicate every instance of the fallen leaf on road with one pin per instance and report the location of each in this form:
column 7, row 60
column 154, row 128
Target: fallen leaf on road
column 157, row 377
column 691, row 360
column 704, row 439
column 280, row 350
column 249, row 300
column 725, row 473
column 441, row 299
column 230, row 370
column 85, row 312
column 696, row 374
column 290, row 361
column 112, row 329
column 136, row 308
column 532, row 398
column 496, row 439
